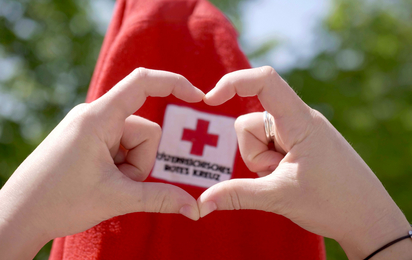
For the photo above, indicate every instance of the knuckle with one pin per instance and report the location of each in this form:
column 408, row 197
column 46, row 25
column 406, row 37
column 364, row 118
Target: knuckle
column 156, row 131
column 140, row 172
column 250, row 164
column 234, row 201
column 162, row 203
column 156, row 128
column 316, row 122
column 269, row 72
column 250, row 161
column 316, row 115
column 232, row 198
column 241, row 123
column 227, row 79
column 140, row 73
column 80, row 114
column 179, row 78
column 78, row 109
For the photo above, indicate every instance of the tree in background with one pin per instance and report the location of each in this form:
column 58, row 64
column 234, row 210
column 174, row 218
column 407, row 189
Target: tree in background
column 48, row 50
column 47, row 53
column 361, row 81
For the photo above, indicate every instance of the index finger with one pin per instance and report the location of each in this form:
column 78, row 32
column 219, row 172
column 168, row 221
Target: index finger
column 273, row 92
column 127, row 96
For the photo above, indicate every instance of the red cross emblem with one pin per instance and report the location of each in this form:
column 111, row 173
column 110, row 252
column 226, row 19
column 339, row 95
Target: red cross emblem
column 199, row 137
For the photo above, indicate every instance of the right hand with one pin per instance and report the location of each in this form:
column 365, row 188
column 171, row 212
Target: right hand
column 77, row 177
column 313, row 176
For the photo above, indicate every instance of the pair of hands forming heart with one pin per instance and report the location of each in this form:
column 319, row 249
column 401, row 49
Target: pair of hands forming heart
column 78, row 176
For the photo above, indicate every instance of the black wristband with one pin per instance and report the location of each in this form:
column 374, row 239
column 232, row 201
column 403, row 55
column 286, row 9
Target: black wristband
column 389, row 244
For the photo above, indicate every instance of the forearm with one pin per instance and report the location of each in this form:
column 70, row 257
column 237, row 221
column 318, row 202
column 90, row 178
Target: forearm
column 17, row 245
column 359, row 245
column 20, row 237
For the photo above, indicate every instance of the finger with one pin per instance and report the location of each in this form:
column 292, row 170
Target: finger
column 141, row 139
column 120, row 156
column 134, row 196
column 253, row 144
column 130, row 93
column 274, row 93
column 238, row 194
column 264, row 173
column 291, row 114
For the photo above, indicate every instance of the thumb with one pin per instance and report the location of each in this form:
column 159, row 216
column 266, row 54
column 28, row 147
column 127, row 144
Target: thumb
column 238, row 194
column 135, row 196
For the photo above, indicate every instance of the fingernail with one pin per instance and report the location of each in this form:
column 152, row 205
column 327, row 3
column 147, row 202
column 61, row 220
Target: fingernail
column 207, row 208
column 188, row 212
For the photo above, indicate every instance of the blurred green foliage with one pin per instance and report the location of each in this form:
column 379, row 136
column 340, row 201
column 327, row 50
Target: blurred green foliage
column 362, row 83
column 48, row 50
column 361, row 80
column 47, row 53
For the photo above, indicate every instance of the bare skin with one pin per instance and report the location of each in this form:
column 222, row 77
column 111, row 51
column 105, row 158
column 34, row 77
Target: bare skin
column 91, row 167
column 77, row 177
column 313, row 177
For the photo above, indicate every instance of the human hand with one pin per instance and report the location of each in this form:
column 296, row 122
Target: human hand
column 78, row 177
column 313, row 176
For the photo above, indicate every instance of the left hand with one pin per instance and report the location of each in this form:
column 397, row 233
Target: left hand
column 312, row 176
column 78, row 177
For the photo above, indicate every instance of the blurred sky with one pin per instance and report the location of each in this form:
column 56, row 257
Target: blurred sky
column 292, row 23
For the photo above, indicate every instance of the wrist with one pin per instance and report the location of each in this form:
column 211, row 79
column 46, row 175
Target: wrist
column 401, row 250
column 16, row 244
column 359, row 245
column 20, row 235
